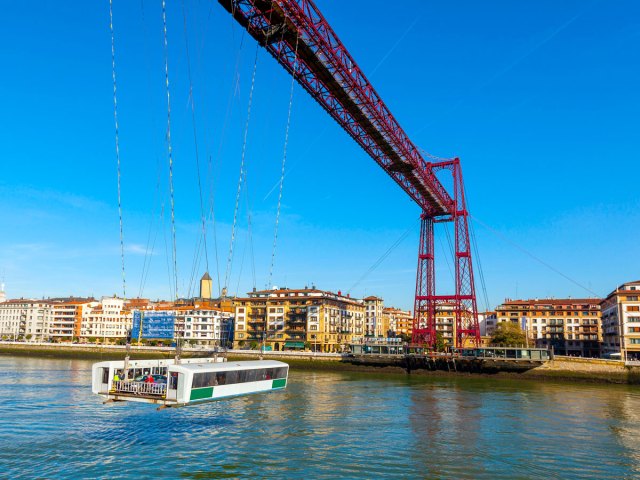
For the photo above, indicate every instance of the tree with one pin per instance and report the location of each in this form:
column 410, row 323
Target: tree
column 406, row 338
column 441, row 343
column 508, row 334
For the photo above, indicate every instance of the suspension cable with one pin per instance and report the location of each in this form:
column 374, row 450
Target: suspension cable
column 229, row 111
column 476, row 254
column 383, row 257
column 146, row 265
column 157, row 201
column 242, row 175
column 528, row 253
column 195, row 136
column 446, row 258
column 284, row 160
column 171, row 195
column 115, row 119
column 250, row 235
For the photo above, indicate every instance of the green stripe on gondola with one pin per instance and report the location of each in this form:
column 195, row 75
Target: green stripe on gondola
column 200, row 393
column 279, row 383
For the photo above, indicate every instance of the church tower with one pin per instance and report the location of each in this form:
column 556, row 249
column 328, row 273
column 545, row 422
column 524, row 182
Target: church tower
column 206, row 286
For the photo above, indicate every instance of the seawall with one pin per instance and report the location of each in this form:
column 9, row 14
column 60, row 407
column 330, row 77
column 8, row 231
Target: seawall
column 560, row 368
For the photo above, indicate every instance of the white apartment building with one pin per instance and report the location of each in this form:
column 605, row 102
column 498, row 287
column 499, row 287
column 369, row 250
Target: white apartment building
column 24, row 319
column 202, row 326
column 374, row 326
column 487, row 322
column 107, row 320
column 621, row 322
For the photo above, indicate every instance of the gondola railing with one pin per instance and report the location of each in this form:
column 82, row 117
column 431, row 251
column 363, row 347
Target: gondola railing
column 139, row 388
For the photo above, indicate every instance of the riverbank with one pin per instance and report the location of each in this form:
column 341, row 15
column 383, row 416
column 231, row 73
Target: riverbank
column 569, row 369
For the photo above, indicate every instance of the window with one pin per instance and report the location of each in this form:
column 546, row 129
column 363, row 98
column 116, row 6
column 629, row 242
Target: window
column 633, row 308
column 212, row 379
column 634, row 341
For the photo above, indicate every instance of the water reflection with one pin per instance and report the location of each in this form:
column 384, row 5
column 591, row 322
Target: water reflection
column 324, row 425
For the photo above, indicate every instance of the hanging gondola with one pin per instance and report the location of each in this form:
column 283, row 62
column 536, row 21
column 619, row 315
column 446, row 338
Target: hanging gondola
column 176, row 382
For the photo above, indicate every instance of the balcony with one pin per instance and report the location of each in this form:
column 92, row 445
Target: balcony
column 297, row 320
column 295, row 329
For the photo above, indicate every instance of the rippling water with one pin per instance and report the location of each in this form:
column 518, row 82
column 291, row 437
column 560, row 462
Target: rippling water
column 324, row 425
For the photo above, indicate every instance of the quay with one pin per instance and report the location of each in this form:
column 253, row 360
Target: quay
column 489, row 361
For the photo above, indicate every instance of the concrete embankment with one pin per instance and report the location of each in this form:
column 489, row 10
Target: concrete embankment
column 560, row 368
column 586, row 369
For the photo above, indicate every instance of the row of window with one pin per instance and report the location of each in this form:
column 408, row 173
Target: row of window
column 212, row 379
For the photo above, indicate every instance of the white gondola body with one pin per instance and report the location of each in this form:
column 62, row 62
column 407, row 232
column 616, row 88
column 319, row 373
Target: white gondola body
column 191, row 381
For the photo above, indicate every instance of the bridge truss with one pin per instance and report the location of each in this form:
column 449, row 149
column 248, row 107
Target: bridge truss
column 297, row 35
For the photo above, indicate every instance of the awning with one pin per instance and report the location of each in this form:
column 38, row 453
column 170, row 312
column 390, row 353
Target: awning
column 293, row 344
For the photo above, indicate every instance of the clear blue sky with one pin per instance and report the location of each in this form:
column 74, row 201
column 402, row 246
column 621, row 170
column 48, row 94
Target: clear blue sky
column 539, row 99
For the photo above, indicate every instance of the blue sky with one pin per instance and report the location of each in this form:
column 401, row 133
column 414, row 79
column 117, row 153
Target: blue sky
column 538, row 99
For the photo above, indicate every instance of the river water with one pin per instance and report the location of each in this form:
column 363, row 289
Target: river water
column 324, row 425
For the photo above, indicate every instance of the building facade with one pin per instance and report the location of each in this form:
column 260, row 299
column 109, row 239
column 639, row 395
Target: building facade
column 621, row 322
column 374, row 324
column 400, row 321
column 570, row 326
column 295, row 319
column 23, row 319
column 107, row 321
column 204, row 326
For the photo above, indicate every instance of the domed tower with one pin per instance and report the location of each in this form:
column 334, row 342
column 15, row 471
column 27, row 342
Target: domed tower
column 206, row 286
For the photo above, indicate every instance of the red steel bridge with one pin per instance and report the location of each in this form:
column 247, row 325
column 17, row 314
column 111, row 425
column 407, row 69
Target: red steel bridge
column 296, row 34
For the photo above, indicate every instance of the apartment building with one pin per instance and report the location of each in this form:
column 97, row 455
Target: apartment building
column 108, row 320
column 400, row 321
column 66, row 315
column 24, row 319
column 446, row 322
column 374, row 324
column 621, row 322
column 570, row 326
column 487, row 322
column 204, row 326
column 286, row 319
column 57, row 319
